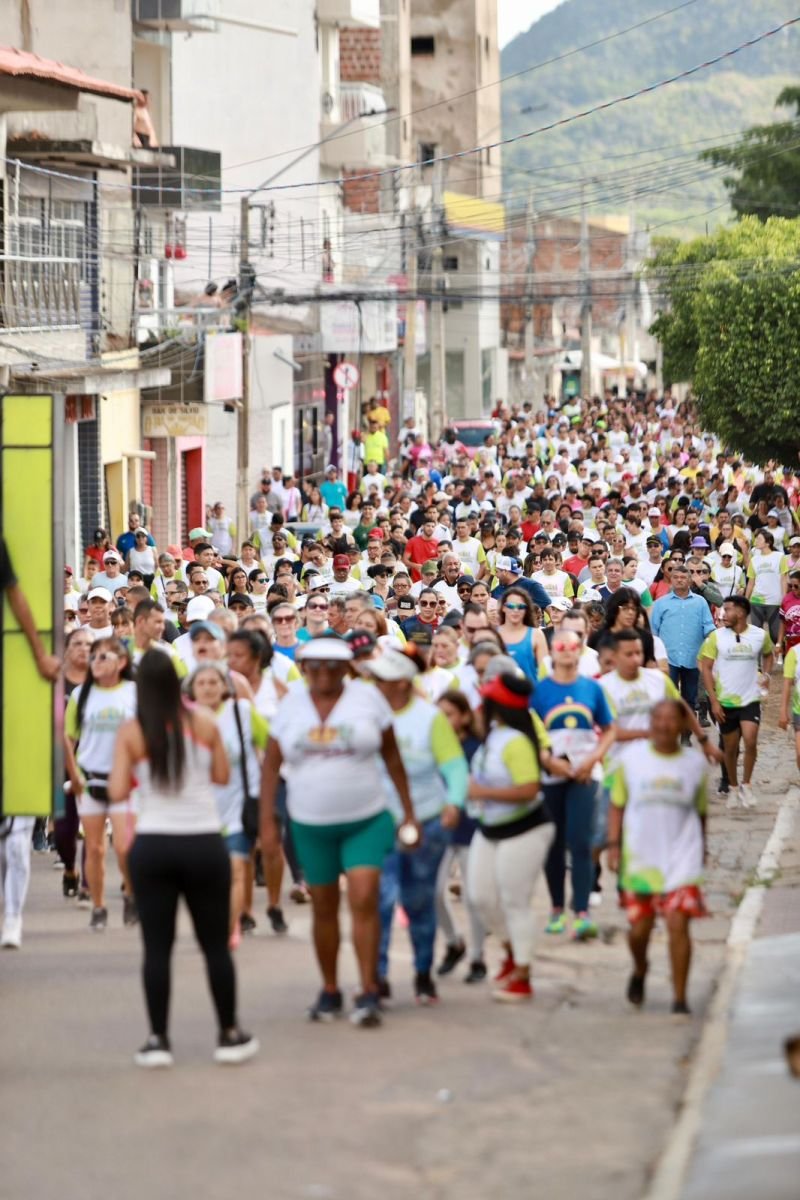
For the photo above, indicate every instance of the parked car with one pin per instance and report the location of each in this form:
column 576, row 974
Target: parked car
column 473, row 433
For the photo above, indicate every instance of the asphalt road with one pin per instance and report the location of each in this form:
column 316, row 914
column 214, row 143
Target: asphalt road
column 573, row 1095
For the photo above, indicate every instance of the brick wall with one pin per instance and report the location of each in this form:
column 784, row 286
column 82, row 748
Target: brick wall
column 360, row 56
column 361, row 195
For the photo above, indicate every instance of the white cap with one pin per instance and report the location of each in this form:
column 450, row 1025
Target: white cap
column 199, row 608
column 392, row 665
column 590, row 595
column 654, row 512
column 100, row 593
column 318, row 581
column 325, row 649
column 113, row 555
column 562, row 602
column 726, row 548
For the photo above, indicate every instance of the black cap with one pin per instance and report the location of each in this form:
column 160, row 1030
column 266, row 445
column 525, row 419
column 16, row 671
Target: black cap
column 240, row 600
column 361, row 642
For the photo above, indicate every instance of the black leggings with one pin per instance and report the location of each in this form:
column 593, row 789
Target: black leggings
column 164, row 867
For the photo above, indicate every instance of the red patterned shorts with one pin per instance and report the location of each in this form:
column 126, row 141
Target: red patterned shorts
column 688, row 900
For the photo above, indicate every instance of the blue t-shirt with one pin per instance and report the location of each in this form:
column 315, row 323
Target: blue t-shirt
column 334, row 493
column 524, row 655
column 570, row 712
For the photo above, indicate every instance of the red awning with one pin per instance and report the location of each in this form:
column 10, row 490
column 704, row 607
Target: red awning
column 21, row 63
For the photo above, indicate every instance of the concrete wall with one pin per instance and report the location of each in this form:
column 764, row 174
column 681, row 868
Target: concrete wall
column 466, row 57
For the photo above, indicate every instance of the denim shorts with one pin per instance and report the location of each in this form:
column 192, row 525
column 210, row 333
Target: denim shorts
column 239, row 844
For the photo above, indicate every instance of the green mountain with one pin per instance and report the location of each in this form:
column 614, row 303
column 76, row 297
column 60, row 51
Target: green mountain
column 641, row 154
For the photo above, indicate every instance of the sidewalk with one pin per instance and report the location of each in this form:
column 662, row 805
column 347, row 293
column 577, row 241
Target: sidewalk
column 749, row 1141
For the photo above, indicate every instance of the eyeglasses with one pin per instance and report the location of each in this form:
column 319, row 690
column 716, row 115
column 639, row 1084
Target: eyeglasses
column 282, row 620
column 102, row 656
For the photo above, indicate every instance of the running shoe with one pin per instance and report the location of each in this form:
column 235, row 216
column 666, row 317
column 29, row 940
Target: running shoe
column 384, row 989
column 130, row 914
column 513, row 991
column 452, row 957
column 367, row 1011
column 84, row 899
column 681, row 1009
column 733, row 799
column 635, row 992
column 557, row 923
column 747, row 797
column 507, row 968
column 595, row 899
column 300, row 894
column 70, row 883
column 155, row 1052
column 723, row 788
column 476, row 973
column 235, row 1048
column 583, row 929
column 327, row 1007
column 99, row 919
column 425, row 988
column 11, row 937
column 275, row 916
column 247, row 923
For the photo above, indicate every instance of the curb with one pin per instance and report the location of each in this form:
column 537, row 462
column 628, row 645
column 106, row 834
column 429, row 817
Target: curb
column 670, row 1172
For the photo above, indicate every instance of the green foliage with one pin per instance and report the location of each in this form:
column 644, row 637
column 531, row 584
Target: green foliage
column 767, row 165
column 731, row 325
column 620, row 146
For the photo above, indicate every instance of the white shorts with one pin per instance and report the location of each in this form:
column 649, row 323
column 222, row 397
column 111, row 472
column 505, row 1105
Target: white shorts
column 89, row 807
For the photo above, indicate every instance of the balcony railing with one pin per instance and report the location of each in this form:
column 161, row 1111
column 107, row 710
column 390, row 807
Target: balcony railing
column 362, row 141
column 175, row 16
column 40, row 293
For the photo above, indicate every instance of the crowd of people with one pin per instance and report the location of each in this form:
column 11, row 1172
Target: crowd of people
column 517, row 661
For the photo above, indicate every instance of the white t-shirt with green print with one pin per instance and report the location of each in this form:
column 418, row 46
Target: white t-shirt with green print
column 766, row 571
column 736, row 663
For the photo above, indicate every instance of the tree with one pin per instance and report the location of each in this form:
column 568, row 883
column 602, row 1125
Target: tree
column 730, row 324
column 767, row 162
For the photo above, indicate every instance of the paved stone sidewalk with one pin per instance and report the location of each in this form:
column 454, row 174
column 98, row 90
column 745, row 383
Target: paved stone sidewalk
column 574, row 1096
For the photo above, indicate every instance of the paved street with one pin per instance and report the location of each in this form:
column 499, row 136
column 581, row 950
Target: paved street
column 574, row 1092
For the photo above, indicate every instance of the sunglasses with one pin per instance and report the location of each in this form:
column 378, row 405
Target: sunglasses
column 514, row 607
column 317, row 607
column 263, row 579
column 83, row 610
column 564, row 645
column 428, row 603
column 102, row 656
column 282, row 620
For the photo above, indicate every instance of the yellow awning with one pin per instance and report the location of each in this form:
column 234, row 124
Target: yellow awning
column 472, row 217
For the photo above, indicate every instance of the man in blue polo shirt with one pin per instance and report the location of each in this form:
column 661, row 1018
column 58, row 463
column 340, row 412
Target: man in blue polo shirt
column 509, row 574
column 127, row 541
column 682, row 619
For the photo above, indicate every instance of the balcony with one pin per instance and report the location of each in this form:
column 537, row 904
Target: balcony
column 356, row 14
column 40, row 293
column 193, row 184
column 175, row 16
column 356, row 139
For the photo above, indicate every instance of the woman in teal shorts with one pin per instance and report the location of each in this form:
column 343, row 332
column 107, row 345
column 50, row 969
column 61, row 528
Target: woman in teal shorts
column 331, row 737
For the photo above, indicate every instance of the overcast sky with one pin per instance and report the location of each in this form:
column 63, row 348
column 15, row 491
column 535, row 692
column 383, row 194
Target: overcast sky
column 513, row 16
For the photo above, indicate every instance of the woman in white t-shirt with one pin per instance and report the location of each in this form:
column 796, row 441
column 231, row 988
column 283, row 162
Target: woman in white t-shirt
column 331, row 738
column 767, row 575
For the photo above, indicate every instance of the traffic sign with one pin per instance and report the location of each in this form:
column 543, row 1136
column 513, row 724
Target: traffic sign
column 346, row 376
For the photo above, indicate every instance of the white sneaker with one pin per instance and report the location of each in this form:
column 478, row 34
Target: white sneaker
column 595, row 899
column 11, row 938
column 733, row 799
column 746, row 796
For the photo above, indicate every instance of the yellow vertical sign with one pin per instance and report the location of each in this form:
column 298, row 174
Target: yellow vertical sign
column 32, row 523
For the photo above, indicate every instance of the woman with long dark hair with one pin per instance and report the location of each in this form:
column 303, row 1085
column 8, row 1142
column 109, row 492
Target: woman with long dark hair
column 624, row 611
column 176, row 755
column 508, row 851
column 238, row 583
column 523, row 641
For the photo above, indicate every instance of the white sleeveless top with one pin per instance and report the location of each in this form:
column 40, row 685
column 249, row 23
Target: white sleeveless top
column 189, row 808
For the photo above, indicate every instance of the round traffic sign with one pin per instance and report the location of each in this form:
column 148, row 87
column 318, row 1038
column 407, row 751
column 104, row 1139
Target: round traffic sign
column 346, row 376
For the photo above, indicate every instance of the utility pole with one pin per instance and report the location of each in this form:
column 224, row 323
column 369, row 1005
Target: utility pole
column 438, row 365
column 586, row 303
column 530, row 332
column 410, row 345
column 243, row 440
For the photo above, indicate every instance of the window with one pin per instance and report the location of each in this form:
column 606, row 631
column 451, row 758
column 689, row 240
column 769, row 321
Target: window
column 451, row 263
column 427, row 151
column 423, row 45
